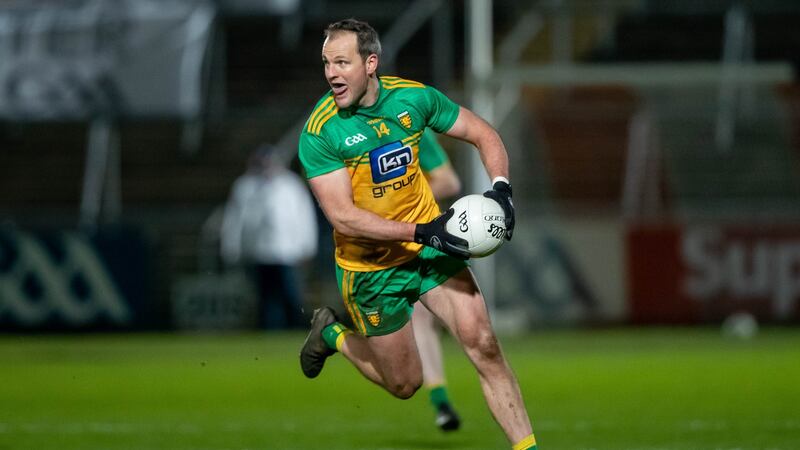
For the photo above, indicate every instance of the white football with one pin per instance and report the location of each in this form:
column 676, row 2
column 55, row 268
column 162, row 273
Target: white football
column 480, row 221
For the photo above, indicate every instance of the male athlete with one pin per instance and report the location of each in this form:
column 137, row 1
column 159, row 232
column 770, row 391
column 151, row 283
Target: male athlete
column 444, row 183
column 360, row 152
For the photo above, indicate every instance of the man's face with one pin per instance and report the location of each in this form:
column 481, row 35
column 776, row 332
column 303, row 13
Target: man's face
column 346, row 73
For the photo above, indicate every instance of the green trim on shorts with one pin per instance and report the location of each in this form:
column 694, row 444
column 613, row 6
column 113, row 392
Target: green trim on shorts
column 381, row 302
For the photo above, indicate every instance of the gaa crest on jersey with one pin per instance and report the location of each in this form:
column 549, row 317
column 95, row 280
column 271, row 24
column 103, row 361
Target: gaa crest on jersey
column 390, row 161
column 374, row 318
column 405, row 119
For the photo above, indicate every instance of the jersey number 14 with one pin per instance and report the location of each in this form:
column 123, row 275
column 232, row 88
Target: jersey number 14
column 381, row 130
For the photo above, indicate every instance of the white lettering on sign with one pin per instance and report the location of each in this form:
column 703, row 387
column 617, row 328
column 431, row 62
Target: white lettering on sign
column 744, row 269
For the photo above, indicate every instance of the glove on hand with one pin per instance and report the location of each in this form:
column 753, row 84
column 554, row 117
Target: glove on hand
column 434, row 234
column 501, row 193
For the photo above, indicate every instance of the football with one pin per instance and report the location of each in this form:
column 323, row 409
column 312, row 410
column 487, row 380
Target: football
column 480, row 221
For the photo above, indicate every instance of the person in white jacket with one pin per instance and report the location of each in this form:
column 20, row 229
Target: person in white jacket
column 269, row 227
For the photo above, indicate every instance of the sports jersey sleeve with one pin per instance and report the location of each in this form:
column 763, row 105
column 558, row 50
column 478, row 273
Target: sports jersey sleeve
column 440, row 111
column 317, row 156
column 431, row 154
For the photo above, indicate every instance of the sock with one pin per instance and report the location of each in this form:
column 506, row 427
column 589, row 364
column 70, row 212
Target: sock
column 529, row 443
column 438, row 395
column 334, row 335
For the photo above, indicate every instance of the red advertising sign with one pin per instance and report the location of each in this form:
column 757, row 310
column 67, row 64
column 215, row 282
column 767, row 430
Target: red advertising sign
column 703, row 273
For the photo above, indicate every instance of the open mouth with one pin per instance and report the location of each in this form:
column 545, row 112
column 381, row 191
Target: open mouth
column 338, row 88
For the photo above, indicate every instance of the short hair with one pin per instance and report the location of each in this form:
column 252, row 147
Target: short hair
column 366, row 36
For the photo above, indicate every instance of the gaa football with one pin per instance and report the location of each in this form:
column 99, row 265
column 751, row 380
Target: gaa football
column 480, row 221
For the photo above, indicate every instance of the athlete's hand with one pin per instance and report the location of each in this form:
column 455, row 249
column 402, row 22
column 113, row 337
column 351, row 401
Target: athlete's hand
column 501, row 193
column 433, row 234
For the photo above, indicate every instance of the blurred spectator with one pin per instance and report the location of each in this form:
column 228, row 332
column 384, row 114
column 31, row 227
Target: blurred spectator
column 269, row 227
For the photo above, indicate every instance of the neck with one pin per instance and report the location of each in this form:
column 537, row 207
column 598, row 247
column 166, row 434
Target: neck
column 371, row 95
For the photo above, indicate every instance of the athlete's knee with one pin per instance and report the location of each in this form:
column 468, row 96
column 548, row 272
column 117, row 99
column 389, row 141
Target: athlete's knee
column 405, row 386
column 405, row 391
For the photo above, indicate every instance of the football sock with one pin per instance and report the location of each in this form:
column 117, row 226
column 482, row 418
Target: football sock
column 529, row 443
column 438, row 395
column 334, row 335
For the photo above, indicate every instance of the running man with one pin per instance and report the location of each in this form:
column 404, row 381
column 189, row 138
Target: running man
column 360, row 152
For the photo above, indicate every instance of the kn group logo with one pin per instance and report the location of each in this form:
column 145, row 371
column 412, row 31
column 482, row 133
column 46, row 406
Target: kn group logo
column 390, row 161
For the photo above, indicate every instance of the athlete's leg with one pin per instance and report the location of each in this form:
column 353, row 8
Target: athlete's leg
column 358, row 352
column 426, row 334
column 460, row 305
column 391, row 361
column 382, row 347
column 430, row 349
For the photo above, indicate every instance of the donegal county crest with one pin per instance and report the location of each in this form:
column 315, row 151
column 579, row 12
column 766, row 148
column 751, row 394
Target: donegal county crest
column 374, row 318
column 405, row 119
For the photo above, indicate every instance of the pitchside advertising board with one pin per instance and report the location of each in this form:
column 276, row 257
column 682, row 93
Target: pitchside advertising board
column 68, row 280
column 702, row 273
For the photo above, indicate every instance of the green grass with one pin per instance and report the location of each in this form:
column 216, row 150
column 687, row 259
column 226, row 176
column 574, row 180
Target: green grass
column 611, row 389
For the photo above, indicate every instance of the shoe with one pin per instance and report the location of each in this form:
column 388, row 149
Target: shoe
column 446, row 418
column 315, row 351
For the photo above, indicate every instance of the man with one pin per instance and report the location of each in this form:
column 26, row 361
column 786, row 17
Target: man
column 359, row 149
column 254, row 229
column 444, row 183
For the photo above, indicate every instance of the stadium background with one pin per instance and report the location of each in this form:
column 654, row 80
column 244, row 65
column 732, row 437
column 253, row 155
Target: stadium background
column 648, row 300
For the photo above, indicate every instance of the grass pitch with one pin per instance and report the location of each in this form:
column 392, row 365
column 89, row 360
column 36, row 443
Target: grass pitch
column 609, row 389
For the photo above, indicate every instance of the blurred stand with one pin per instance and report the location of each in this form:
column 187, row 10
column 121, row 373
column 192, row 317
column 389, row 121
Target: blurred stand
column 71, row 73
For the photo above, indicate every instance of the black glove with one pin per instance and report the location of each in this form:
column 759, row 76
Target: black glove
column 501, row 193
column 433, row 234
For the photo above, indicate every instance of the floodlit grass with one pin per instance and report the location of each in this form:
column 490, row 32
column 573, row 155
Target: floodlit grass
column 601, row 389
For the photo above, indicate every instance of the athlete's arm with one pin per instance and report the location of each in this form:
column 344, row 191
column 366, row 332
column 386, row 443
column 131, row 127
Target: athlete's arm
column 335, row 195
column 471, row 128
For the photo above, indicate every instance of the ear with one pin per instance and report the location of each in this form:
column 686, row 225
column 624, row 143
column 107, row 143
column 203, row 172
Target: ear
column 372, row 64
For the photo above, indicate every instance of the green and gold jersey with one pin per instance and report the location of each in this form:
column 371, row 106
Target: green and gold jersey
column 379, row 146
